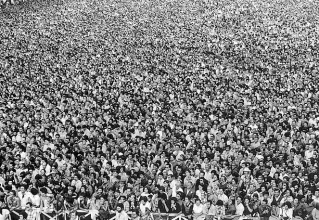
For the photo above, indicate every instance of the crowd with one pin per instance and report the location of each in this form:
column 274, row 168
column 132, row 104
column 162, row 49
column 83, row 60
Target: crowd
column 125, row 109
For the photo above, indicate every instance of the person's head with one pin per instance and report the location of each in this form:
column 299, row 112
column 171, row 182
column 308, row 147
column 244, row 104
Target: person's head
column 73, row 215
column 264, row 201
column 219, row 203
column 143, row 200
column 197, row 201
column 276, row 192
column 122, row 199
column 286, row 205
column 119, row 207
column 134, row 214
column 22, row 188
column 28, row 205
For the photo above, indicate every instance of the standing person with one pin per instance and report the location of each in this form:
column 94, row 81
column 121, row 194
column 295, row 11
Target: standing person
column 120, row 213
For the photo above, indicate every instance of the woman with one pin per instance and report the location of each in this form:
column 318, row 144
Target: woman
column 104, row 209
column 174, row 206
column 286, row 211
column 201, row 194
column 187, row 208
column 198, row 209
column 146, row 192
column 248, row 209
column 84, row 202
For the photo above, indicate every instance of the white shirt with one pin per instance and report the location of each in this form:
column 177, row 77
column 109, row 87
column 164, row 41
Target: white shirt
column 240, row 209
column 24, row 198
column 223, row 197
column 308, row 154
column 121, row 216
column 143, row 207
column 4, row 213
column 35, row 200
column 286, row 213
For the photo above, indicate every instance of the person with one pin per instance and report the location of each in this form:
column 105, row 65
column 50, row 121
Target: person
column 264, row 210
column 220, row 210
column 315, row 212
column 286, row 211
column 13, row 200
column 73, row 216
column 120, row 213
column 134, row 215
column 187, row 208
column 145, row 206
column 198, row 209
column 31, row 212
column 104, row 209
column 4, row 211
column 174, row 206
column 24, row 196
column 164, row 110
column 209, row 210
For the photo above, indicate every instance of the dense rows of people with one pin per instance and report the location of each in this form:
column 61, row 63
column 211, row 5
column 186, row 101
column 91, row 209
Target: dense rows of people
column 125, row 109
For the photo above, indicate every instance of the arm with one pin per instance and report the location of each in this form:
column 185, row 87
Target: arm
column 165, row 205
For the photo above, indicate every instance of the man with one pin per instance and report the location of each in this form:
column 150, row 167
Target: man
column 264, row 210
column 120, row 213
column 222, row 196
column 239, row 207
column 189, row 191
column 23, row 196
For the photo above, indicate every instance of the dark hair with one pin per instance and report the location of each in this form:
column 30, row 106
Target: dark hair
column 220, row 203
column 120, row 205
